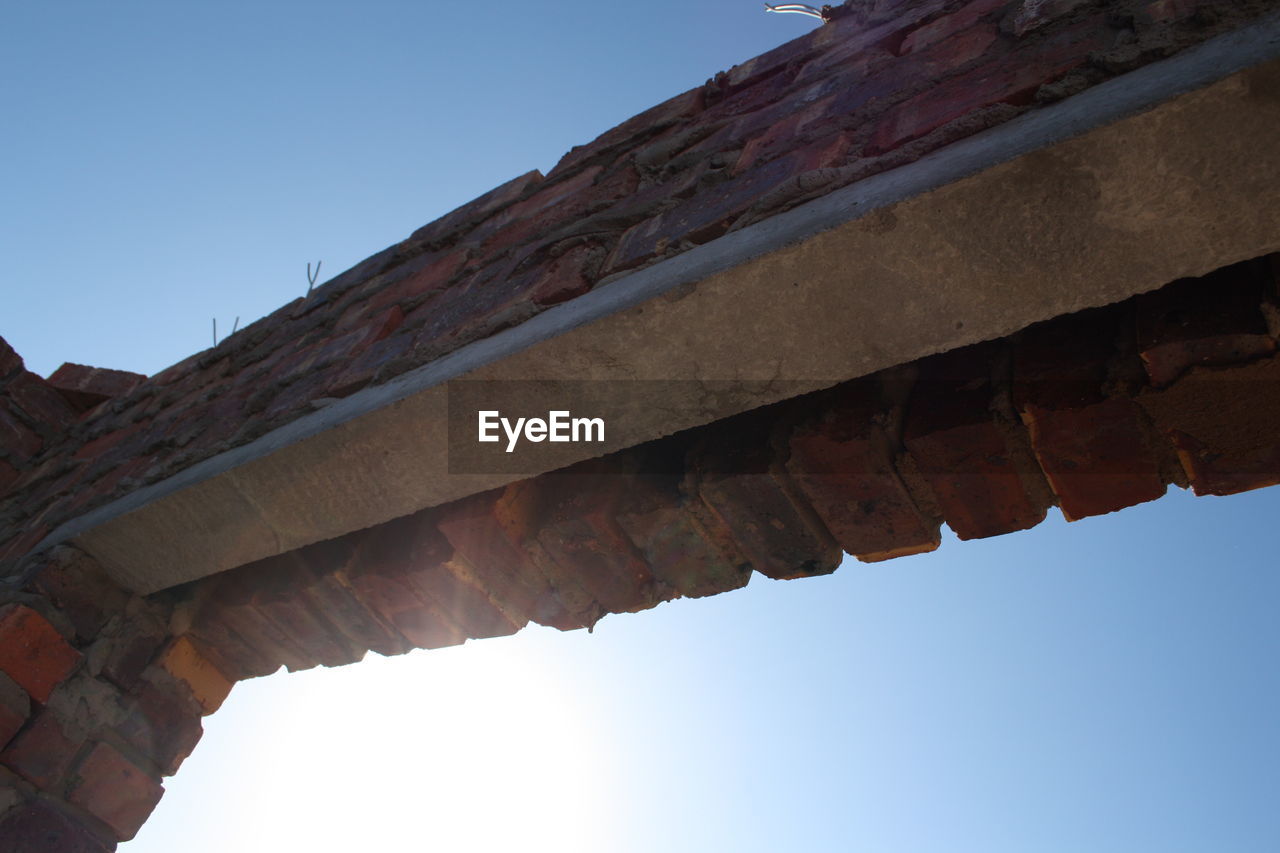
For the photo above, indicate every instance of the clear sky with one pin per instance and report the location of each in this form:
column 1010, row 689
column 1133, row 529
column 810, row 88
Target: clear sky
column 1104, row 686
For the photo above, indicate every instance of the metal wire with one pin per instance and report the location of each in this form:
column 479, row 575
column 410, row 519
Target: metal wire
column 796, row 8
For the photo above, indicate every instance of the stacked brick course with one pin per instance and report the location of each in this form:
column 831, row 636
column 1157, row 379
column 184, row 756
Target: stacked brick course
column 882, row 84
column 102, row 691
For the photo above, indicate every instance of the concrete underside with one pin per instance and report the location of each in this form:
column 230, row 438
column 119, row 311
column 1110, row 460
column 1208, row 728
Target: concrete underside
column 1179, row 190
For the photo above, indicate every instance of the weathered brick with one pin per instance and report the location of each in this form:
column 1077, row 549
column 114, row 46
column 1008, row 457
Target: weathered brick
column 163, row 727
column 463, row 218
column 281, row 593
column 115, row 790
column 8, row 476
column 16, row 440
column 1170, row 10
column 982, row 478
column 379, row 575
column 645, row 124
column 85, row 387
column 10, row 361
column 48, row 412
column 32, row 652
column 231, row 606
column 315, row 572
column 42, row 752
column 82, row 591
column 1013, row 78
column 208, row 686
column 1222, row 422
column 452, row 586
column 565, row 277
column 428, row 273
column 501, row 566
column 842, row 460
column 15, row 708
column 517, row 511
column 1213, row 320
column 128, row 654
column 577, row 527
column 681, row 552
column 39, row 827
column 1097, row 458
column 740, row 477
column 947, row 26
column 1033, row 14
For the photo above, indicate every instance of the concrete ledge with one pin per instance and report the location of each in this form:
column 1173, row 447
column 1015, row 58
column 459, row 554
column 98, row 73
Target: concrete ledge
column 1147, row 178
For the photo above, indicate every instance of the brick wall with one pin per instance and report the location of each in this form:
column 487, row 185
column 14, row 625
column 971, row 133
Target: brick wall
column 882, row 84
column 101, row 692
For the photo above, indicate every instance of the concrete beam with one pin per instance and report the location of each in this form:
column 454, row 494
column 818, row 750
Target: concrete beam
column 1154, row 176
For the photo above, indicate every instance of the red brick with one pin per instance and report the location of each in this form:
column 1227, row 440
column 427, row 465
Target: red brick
column 977, row 473
column 422, row 276
column 22, row 544
column 1097, row 458
column 646, row 123
column 39, row 827
column 712, row 210
column 230, row 652
column 780, row 135
column 1013, row 78
column 42, row 404
column 565, row 277
column 315, row 572
column 19, row 442
column 467, row 216
column 841, row 458
column 1169, row 10
column 10, row 361
column 576, row 525
column 681, row 552
column 129, row 655
column 258, row 603
column 1064, row 363
column 1222, row 422
column 1033, row 14
column 207, row 684
column 947, row 26
column 161, row 726
column 8, row 476
column 1214, row 320
column 85, row 387
column 453, row 588
column 379, row 575
column 502, row 567
column 42, row 752
column 283, row 595
column 32, row 652
column 479, row 306
column 517, row 511
column 738, row 476
column 116, row 791
column 15, row 708
column 81, row 590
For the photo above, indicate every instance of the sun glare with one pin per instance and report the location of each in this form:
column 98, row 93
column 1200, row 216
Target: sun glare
column 479, row 748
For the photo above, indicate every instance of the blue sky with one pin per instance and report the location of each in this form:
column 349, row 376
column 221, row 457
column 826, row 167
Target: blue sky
column 1105, row 686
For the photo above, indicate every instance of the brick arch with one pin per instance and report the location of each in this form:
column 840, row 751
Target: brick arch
column 106, row 675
